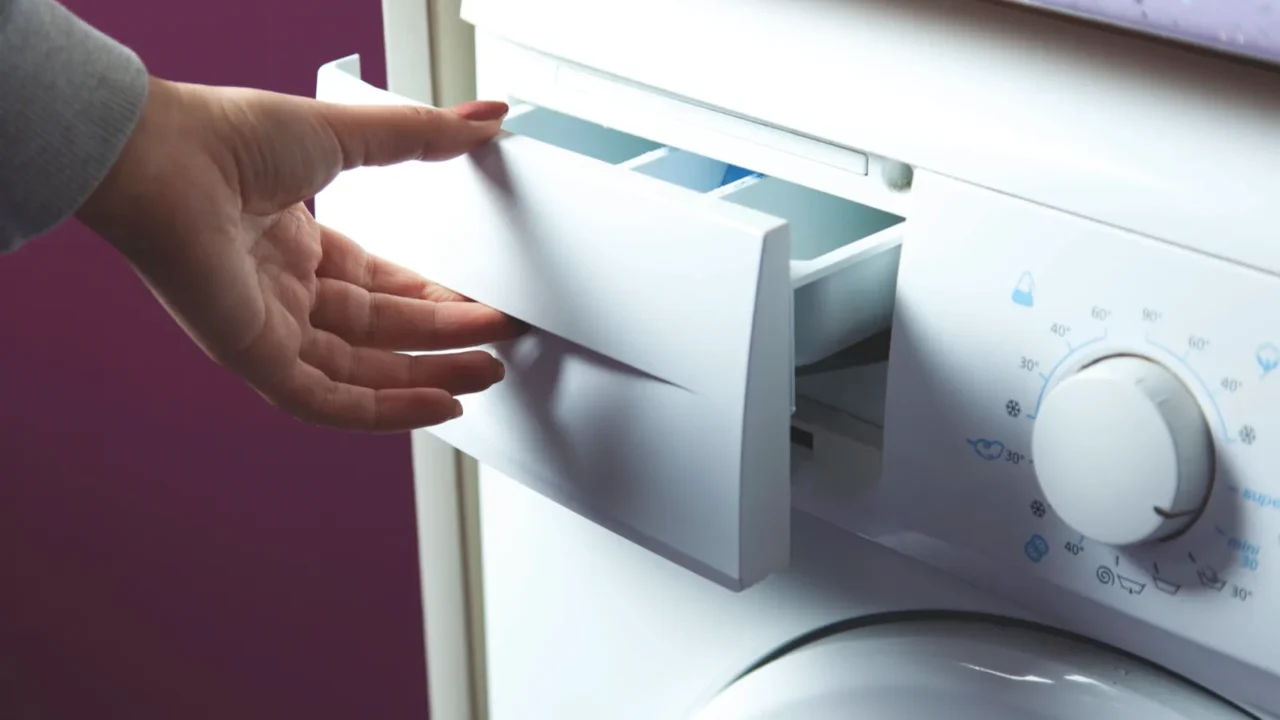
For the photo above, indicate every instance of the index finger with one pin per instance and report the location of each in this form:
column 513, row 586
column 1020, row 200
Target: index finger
column 385, row 135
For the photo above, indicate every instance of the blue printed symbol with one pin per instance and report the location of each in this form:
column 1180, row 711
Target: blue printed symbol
column 1036, row 548
column 987, row 449
column 1024, row 293
column 1268, row 357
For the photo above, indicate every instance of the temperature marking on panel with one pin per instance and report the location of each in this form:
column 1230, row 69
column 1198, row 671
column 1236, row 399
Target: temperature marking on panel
column 1182, row 358
column 1099, row 313
column 1248, row 553
column 1047, row 376
column 1013, row 409
column 1241, row 593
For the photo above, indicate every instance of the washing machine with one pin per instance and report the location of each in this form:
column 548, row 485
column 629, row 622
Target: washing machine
column 899, row 359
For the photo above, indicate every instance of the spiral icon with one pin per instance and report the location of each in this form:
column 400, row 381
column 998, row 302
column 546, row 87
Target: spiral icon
column 1105, row 576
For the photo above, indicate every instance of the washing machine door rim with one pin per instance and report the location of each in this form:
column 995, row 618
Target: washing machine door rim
column 959, row 665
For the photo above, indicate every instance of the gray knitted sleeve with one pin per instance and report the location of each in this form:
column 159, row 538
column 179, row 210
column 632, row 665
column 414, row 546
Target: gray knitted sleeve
column 69, row 98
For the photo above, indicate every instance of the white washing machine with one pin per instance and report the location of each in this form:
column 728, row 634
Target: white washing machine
column 889, row 360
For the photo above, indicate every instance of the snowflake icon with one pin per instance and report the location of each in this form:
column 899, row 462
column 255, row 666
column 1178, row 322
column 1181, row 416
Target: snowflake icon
column 1013, row 408
column 1038, row 509
column 1248, row 435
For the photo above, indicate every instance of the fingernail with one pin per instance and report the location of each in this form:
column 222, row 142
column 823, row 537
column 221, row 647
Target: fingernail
column 457, row 409
column 481, row 110
column 502, row 370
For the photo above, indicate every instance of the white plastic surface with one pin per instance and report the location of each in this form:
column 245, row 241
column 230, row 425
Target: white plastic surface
column 576, row 135
column 844, row 262
column 843, row 212
column 654, row 394
column 582, row 625
column 960, row 670
column 999, row 299
column 698, row 173
column 844, row 254
column 1157, row 139
column 1122, row 451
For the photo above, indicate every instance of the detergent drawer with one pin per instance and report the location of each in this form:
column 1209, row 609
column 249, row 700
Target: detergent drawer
column 654, row 394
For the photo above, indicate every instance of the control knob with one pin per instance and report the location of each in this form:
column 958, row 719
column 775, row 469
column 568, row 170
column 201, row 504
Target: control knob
column 1122, row 452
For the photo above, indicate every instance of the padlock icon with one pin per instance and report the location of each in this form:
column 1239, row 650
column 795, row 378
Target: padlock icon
column 1024, row 293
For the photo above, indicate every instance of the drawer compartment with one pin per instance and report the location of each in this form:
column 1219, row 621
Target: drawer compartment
column 575, row 135
column 695, row 172
column 654, row 393
column 844, row 255
column 844, row 262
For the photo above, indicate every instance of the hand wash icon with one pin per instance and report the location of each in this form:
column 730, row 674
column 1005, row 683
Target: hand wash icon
column 1024, row 292
column 1268, row 357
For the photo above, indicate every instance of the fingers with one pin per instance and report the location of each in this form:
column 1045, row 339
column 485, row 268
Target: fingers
column 369, row 301
column 392, row 322
column 313, row 397
column 343, row 259
column 384, row 135
column 455, row 373
column 339, row 386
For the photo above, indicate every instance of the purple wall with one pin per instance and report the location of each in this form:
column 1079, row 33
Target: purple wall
column 182, row 549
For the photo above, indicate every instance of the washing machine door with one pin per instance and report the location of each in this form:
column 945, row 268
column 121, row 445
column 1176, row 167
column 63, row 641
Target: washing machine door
column 959, row 668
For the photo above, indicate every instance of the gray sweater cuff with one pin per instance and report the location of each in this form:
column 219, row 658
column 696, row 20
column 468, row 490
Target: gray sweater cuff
column 69, row 98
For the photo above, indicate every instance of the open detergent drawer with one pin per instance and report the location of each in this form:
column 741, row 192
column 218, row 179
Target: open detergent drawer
column 671, row 297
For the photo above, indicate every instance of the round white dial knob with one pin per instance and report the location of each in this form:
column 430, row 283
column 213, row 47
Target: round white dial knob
column 1122, row 452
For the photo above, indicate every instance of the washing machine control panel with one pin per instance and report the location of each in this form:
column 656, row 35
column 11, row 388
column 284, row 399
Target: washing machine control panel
column 1091, row 412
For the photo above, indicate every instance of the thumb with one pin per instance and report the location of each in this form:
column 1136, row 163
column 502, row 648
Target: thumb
column 385, row 135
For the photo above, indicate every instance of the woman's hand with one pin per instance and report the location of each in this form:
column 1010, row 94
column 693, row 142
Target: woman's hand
column 206, row 202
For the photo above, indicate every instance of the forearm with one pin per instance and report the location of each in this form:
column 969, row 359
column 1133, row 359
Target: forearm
column 69, row 99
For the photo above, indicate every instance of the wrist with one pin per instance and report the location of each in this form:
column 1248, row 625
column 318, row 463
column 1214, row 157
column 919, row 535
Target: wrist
column 118, row 208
